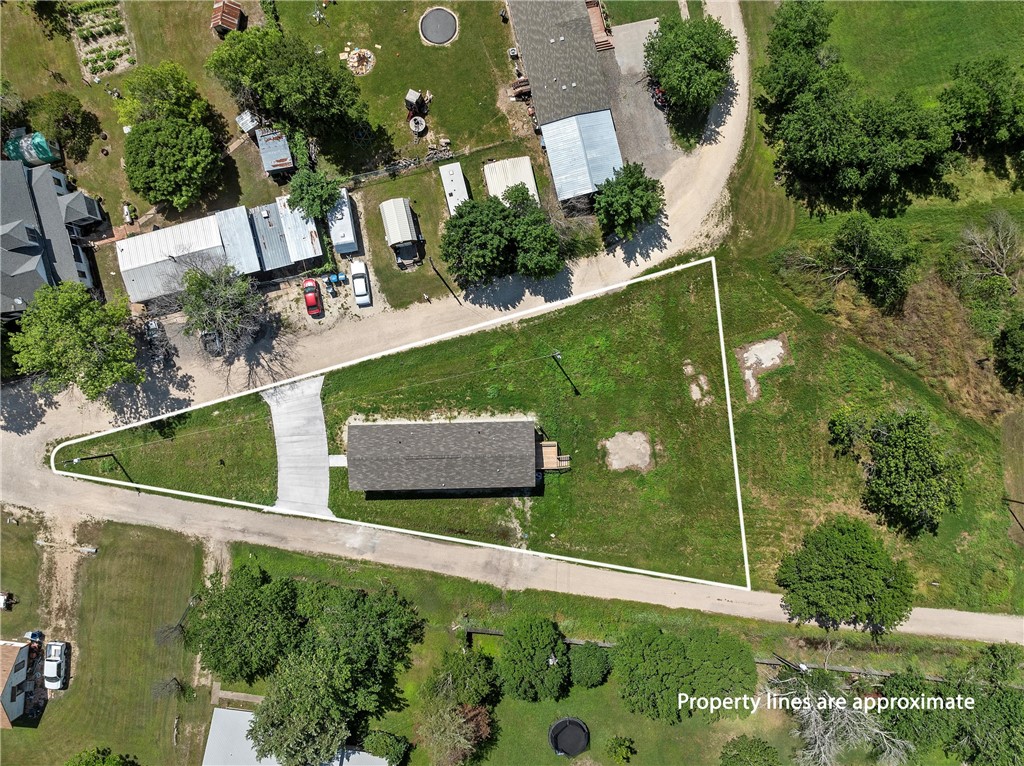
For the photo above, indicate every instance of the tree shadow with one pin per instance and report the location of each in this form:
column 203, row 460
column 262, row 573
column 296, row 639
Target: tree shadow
column 719, row 115
column 508, row 292
column 165, row 389
column 359, row 147
column 267, row 359
column 85, row 133
column 52, row 16
column 651, row 239
column 21, row 408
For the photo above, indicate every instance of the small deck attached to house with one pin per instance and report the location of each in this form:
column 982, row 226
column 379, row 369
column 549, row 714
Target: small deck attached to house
column 548, row 458
column 602, row 38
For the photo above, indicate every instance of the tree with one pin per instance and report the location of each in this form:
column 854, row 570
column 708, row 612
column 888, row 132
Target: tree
column 880, row 256
column 308, row 712
column 12, row 108
column 911, row 482
column 450, row 734
column 463, row 677
column 101, row 756
column 60, row 117
column 244, row 628
column 653, row 667
column 628, row 200
column 477, row 242
column 985, row 105
column 280, row 75
column 1009, row 353
column 534, row 662
column 749, row 751
column 161, row 92
column 171, row 160
column 391, row 747
column 314, row 193
column 535, row 241
column 71, row 339
column 842, row 575
column 217, row 299
column 621, row 749
column 922, row 728
column 690, row 60
column 589, row 665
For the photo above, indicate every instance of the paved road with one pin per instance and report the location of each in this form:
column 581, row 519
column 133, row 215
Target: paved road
column 694, row 185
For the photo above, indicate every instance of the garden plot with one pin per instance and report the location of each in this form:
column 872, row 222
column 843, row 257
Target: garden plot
column 101, row 38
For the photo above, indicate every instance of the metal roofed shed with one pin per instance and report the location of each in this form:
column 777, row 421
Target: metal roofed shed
column 274, row 151
column 299, row 233
column 454, row 183
column 442, row 456
column 500, row 175
column 247, row 122
column 147, row 261
column 270, row 240
column 236, row 236
column 582, row 151
column 341, row 223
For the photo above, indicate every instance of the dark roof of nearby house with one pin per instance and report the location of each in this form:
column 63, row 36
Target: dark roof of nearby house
column 51, row 216
column 489, row 454
column 75, row 207
column 20, row 250
column 556, row 44
column 274, row 150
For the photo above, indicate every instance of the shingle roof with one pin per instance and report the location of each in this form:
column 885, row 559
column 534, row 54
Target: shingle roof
column 51, row 216
column 556, row 44
column 491, row 454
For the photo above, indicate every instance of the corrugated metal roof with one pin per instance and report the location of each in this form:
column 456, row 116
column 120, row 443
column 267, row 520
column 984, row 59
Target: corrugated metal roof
column 500, row 175
column 583, row 151
column 556, row 44
column 342, row 225
column 146, row 261
column 398, row 224
column 270, row 239
column 454, row 184
column 226, row 15
column 488, row 454
column 237, row 237
column 299, row 232
column 274, row 151
column 246, row 121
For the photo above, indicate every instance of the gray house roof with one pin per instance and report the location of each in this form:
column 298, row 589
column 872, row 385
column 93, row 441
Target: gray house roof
column 556, row 44
column 490, row 454
column 76, row 207
column 51, row 216
column 23, row 269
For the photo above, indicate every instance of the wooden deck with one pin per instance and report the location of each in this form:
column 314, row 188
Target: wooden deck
column 602, row 40
column 548, row 458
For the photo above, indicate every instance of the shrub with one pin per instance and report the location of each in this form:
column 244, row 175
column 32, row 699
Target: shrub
column 620, row 749
column 589, row 665
column 534, row 660
column 383, row 744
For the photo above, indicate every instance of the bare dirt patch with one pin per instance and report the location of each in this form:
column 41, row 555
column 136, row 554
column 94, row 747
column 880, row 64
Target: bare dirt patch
column 628, row 451
column 760, row 357
column 700, row 389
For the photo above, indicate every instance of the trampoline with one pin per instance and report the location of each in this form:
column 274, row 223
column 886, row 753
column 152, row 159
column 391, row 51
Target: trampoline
column 438, row 26
column 569, row 736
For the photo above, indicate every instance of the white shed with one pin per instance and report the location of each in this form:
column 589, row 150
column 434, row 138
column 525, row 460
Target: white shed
column 399, row 226
column 454, row 183
column 500, row 175
column 342, row 225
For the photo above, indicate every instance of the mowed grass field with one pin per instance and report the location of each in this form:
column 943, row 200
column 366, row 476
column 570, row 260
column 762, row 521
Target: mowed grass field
column 19, row 574
column 141, row 580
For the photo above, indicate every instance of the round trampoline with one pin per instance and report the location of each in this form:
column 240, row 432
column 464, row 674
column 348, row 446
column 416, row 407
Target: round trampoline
column 569, row 736
column 438, row 26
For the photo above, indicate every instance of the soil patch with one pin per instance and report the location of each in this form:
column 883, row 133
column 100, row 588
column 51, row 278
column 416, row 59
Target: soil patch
column 628, row 451
column 758, row 358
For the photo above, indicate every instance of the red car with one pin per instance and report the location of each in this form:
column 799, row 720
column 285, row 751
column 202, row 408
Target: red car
column 314, row 300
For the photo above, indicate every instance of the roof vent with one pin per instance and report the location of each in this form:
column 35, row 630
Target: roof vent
column 552, row 40
column 265, row 213
column 563, row 87
column 574, row 85
column 561, row 39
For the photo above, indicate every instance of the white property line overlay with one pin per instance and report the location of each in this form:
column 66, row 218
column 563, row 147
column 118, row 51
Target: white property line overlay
column 514, row 317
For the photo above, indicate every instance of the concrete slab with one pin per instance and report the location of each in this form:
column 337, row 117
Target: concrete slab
column 303, row 478
column 338, row 461
column 629, row 44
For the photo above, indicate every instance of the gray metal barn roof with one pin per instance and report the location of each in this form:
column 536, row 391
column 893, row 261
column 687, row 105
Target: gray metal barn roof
column 398, row 223
column 583, row 152
column 499, row 176
column 270, row 238
column 274, row 151
column 556, row 44
column 236, row 235
column 489, row 454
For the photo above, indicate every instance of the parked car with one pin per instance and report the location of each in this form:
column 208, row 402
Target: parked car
column 314, row 299
column 55, row 665
column 361, row 284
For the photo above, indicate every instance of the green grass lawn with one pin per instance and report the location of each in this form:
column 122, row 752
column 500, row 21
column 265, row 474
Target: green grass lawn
column 141, row 579
column 423, row 188
column 463, row 77
column 19, row 574
column 913, row 45
column 226, row 451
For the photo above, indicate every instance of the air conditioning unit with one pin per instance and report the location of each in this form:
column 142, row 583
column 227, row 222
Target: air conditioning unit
column 513, row 53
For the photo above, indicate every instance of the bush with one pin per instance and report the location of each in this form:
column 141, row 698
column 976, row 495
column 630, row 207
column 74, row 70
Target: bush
column 589, row 665
column 383, row 744
column 534, row 660
column 749, row 751
column 620, row 749
column 1009, row 353
column 463, row 678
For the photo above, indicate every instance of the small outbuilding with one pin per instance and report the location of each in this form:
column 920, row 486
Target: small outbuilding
column 342, row 226
column 400, row 231
column 247, row 122
column 227, row 17
column 274, row 151
column 500, row 175
column 454, row 183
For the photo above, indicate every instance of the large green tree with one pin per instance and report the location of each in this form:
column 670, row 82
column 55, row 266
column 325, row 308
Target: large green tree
column 314, row 193
column 1009, row 353
column 628, row 200
column 279, row 75
column 60, row 116
column 985, row 104
column 161, row 92
column 535, row 241
column 243, row 628
column 69, row 338
column 217, row 299
column 171, row 160
column 534, row 662
column 476, row 243
column 690, row 59
column 880, row 256
column 842, row 575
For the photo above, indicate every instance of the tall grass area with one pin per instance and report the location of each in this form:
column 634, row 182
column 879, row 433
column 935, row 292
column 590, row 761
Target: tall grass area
column 141, row 580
